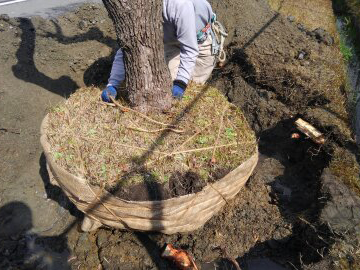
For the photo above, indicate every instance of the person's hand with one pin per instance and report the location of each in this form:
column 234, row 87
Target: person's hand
column 109, row 91
column 177, row 92
column 178, row 89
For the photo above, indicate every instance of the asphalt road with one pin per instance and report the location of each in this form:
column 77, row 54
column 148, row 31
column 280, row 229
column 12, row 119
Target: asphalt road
column 44, row 8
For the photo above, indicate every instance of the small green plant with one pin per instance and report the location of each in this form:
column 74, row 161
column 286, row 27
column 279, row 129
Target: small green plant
column 91, row 132
column 348, row 41
column 58, row 109
column 69, row 157
column 166, row 178
column 160, row 142
column 103, row 170
column 71, row 141
column 58, row 155
column 230, row 133
column 346, row 51
column 203, row 139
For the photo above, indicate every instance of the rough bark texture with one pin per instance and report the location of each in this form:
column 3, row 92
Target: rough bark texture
column 139, row 30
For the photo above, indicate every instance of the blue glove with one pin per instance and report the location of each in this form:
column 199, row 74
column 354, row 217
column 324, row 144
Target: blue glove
column 178, row 89
column 109, row 91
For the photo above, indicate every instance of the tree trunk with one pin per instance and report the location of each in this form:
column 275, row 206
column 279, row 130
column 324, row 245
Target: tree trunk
column 138, row 25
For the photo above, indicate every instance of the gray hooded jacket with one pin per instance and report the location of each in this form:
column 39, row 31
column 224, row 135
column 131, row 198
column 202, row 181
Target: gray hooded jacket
column 182, row 21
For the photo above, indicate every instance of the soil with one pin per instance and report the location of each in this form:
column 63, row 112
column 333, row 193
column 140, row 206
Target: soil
column 179, row 184
column 276, row 72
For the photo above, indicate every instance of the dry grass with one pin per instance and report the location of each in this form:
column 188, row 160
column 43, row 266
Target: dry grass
column 354, row 6
column 111, row 147
column 319, row 14
column 346, row 252
column 344, row 165
column 313, row 14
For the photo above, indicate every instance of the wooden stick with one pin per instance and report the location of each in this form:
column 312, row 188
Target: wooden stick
column 107, row 104
column 182, row 145
column 202, row 149
column 126, row 145
column 234, row 262
column 218, row 135
column 156, row 130
column 139, row 113
column 205, row 148
column 310, row 131
column 140, row 148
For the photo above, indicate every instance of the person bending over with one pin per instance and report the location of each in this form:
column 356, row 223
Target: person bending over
column 190, row 46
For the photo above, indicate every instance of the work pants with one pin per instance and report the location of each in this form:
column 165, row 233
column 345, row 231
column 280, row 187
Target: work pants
column 205, row 61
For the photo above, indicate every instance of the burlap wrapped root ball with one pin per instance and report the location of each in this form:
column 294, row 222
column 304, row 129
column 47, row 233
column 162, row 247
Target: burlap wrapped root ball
column 120, row 156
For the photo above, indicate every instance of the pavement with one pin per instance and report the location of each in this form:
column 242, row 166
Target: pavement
column 22, row 181
column 43, row 8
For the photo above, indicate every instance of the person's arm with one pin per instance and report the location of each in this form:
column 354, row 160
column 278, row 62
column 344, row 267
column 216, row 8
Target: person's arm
column 117, row 74
column 186, row 35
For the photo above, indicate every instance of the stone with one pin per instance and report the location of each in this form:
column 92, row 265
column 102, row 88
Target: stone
column 102, row 238
column 291, row 18
column 83, row 25
column 323, row 36
column 5, row 17
column 301, row 55
column 342, row 210
column 301, row 27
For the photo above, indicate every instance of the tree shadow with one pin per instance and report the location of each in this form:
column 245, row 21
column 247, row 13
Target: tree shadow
column 98, row 73
column 21, row 249
column 26, row 70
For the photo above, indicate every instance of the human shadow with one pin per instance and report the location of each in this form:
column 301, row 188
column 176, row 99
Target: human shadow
column 22, row 249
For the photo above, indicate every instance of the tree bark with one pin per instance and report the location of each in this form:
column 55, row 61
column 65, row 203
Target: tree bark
column 138, row 25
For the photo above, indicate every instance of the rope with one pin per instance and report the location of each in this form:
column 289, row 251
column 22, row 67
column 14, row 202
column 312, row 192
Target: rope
column 220, row 35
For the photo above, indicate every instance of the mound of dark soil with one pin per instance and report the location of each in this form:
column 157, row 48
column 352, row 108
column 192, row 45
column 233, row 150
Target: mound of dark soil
column 276, row 70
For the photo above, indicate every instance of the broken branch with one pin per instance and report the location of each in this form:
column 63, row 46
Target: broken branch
column 156, row 130
column 181, row 258
column 310, row 131
column 182, row 145
column 125, row 109
column 218, row 135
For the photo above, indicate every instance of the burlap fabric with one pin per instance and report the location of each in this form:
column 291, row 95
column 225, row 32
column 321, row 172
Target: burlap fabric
column 180, row 214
